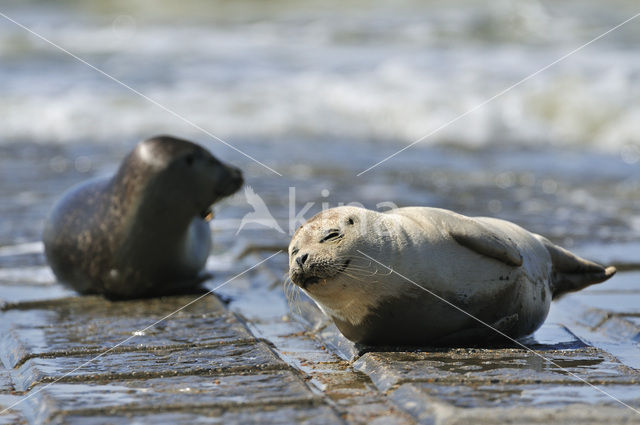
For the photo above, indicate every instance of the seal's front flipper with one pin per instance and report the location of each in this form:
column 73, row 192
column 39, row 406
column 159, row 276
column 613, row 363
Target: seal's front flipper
column 572, row 273
column 479, row 238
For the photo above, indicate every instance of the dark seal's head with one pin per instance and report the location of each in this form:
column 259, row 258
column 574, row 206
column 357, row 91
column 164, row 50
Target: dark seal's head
column 187, row 174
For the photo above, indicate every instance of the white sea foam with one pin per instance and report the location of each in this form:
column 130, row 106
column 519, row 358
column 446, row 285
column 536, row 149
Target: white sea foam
column 360, row 76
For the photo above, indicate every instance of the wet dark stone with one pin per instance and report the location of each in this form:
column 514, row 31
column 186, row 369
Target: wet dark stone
column 91, row 325
column 505, row 366
column 155, row 363
column 182, row 394
column 628, row 303
column 6, row 384
column 552, row 337
column 463, row 407
column 621, row 283
column 10, row 294
column 21, row 344
column 12, row 419
column 273, row 415
column 543, row 396
column 99, row 308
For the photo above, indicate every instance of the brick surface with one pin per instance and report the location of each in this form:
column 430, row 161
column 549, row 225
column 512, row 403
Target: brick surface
column 12, row 419
column 6, row 384
column 181, row 393
column 24, row 342
column 69, row 327
column 259, row 361
column 430, row 409
column 136, row 364
column 263, row 415
column 500, row 366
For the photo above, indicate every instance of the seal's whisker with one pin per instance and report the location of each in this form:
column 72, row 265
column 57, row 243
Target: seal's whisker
column 292, row 294
column 360, row 278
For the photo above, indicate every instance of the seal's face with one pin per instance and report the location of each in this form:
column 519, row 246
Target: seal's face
column 321, row 248
column 326, row 261
column 190, row 175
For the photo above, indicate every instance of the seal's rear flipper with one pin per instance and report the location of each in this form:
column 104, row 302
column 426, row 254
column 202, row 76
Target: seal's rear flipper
column 572, row 273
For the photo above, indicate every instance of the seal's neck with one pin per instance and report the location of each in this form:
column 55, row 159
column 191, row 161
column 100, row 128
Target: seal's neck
column 147, row 208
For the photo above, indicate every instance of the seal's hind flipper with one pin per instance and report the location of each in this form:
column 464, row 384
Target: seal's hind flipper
column 479, row 238
column 572, row 273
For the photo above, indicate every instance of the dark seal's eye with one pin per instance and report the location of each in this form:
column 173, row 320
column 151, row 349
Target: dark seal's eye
column 294, row 251
column 350, row 220
column 331, row 234
column 189, row 159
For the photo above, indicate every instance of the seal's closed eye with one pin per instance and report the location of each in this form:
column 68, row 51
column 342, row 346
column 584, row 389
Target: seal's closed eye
column 331, row 234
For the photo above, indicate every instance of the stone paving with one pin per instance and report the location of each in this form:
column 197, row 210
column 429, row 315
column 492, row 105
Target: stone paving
column 246, row 356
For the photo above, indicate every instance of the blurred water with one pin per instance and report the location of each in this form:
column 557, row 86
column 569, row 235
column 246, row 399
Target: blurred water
column 322, row 91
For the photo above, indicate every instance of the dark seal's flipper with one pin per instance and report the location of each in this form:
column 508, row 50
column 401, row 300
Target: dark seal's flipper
column 572, row 273
column 481, row 239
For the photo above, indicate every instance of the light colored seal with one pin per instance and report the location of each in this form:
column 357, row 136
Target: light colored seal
column 142, row 232
column 493, row 269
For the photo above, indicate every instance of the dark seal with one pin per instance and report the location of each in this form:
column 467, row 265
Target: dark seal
column 142, row 232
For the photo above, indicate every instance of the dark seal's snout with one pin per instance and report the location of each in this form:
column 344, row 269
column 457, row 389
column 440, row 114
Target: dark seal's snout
column 234, row 180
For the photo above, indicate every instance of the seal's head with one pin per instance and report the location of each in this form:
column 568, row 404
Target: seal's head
column 187, row 173
column 326, row 260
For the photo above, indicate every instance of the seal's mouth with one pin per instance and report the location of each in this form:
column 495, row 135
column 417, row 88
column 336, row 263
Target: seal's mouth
column 312, row 280
column 207, row 214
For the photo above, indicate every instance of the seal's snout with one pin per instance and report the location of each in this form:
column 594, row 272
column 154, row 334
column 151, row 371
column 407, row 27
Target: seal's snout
column 301, row 273
column 234, row 179
column 300, row 260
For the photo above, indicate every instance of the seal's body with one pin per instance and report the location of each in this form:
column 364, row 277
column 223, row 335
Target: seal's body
column 142, row 232
column 376, row 275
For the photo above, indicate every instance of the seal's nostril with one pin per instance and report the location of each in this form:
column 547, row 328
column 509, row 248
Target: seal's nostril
column 301, row 259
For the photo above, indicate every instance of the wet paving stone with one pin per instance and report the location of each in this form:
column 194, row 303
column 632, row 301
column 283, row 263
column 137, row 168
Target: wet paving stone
column 427, row 407
column 6, row 384
column 27, row 275
column 376, row 413
column 20, row 344
column 622, row 282
column 182, row 394
column 628, row 303
column 70, row 328
column 552, row 336
column 267, row 415
column 137, row 364
column 74, row 308
column 500, row 366
column 204, row 365
column 497, row 395
column 12, row 419
column 10, row 294
column 354, row 396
